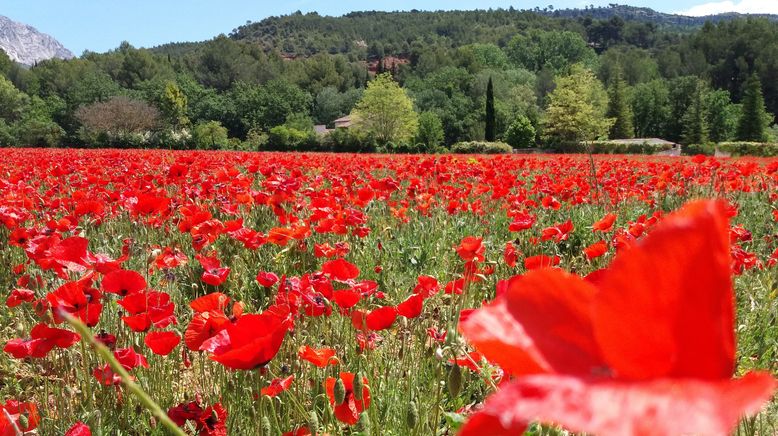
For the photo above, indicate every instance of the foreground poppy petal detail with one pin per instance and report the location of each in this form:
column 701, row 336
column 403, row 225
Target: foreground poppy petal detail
column 645, row 347
column 617, row 408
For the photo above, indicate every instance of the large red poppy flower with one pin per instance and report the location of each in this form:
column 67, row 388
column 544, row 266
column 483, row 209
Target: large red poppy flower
column 411, row 307
column 348, row 411
column 78, row 299
column 340, row 269
column 42, row 340
column 123, row 282
column 162, row 343
column 381, row 318
column 146, row 309
column 648, row 349
column 606, row 223
column 250, row 343
column 209, row 421
column 209, row 318
column 471, row 248
column 320, row 357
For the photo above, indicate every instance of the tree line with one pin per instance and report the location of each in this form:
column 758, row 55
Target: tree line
column 431, row 79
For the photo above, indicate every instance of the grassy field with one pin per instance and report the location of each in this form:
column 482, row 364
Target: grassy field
column 314, row 243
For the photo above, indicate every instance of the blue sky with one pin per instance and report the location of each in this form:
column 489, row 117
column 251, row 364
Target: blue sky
column 100, row 25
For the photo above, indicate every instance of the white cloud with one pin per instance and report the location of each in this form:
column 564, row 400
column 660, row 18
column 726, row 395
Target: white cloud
column 742, row 6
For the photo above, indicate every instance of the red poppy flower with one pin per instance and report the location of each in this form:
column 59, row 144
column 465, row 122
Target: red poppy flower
column 381, row 318
column 346, row 298
column 340, row 269
column 277, row 386
column 42, row 340
column 320, row 357
column 471, row 248
column 147, row 309
column 411, row 307
column 266, row 279
column 209, row 318
column 648, row 348
column 469, row 361
column 250, row 343
column 510, row 254
column 19, row 296
column 596, row 250
column 123, row 282
column 209, row 421
column 606, row 223
column 162, row 343
column 558, row 233
column 426, row 286
column 214, row 274
column 348, row 411
column 521, row 222
column 15, row 411
column 79, row 429
column 540, row 261
column 78, row 299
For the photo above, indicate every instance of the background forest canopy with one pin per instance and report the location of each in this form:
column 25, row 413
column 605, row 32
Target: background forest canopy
column 527, row 78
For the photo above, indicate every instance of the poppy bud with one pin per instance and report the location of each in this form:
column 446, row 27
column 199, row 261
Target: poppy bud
column 340, row 392
column 358, row 386
column 454, row 380
column 23, row 421
column 363, row 425
column 412, row 415
column 266, row 427
column 313, row 422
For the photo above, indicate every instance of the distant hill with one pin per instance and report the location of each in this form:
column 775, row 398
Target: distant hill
column 26, row 45
column 633, row 13
column 307, row 34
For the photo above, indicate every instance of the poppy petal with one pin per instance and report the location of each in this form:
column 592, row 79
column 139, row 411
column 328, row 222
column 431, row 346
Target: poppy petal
column 614, row 408
column 680, row 302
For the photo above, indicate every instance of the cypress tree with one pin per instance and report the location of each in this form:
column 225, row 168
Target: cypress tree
column 619, row 109
column 490, row 119
column 755, row 119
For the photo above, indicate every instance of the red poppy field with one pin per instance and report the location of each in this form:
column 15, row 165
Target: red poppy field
column 214, row 293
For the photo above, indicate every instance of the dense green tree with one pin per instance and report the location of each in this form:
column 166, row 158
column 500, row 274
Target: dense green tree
column 12, row 101
column 651, row 109
column 576, row 110
column 723, row 116
column 695, row 120
column 332, row 104
column 521, row 133
column 490, row 121
column 386, row 112
column 430, row 131
column 553, row 49
column 619, row 109
column 682, row 91
column 754, row 120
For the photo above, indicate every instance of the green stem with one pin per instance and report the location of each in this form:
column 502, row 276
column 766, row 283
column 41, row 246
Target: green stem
column 143, row 397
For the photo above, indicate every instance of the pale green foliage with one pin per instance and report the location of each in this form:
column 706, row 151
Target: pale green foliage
column 12, row 101
column 174, row 105
column 210, row 135
column 576, row 111
column 430, row 130
column 386, row 112
column 521, row 133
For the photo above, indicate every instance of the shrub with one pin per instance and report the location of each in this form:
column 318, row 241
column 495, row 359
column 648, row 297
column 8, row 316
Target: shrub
column 481, row 147
column 761, row 149
column 286, row 138
column 210, row 135
column 695, row 149
column 597, row 147
column 521, row 133
column 348, row 141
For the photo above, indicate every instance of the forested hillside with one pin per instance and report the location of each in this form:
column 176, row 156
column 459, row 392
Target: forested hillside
column 267, row 83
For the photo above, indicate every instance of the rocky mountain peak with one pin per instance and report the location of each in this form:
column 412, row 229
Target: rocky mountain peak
column 26, row 45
